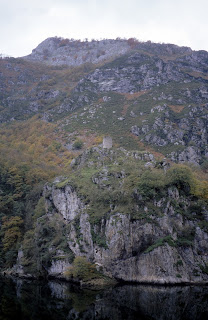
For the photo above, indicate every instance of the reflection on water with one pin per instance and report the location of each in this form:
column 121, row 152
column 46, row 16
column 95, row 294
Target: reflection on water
column 21, row 299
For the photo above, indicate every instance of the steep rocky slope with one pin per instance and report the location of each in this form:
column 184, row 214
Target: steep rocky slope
column 133, row 213
column 136, row 219
column 157, row 92
column 161, row 103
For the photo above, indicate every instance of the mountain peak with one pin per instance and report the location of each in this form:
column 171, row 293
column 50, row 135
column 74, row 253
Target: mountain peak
column 59, row 51
column 71, row 52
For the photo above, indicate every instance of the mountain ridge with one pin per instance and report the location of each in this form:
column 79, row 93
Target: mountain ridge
column 57, row 51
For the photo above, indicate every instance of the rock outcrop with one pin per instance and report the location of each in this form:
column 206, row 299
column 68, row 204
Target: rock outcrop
column 154, row 231
column 58, row 51
column 142, row 251
column 160, row 237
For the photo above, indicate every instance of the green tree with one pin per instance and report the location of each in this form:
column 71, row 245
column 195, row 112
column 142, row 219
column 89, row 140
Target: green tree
column 82, row 269
column 182, row 177
column 151, row 183
column 78, row 144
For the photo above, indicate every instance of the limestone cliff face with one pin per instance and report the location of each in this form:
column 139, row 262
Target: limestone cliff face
column 166, row 130
column 66, row 202
column 138, row 219
column 58, row 267
column 168, row 248
column 57, row 51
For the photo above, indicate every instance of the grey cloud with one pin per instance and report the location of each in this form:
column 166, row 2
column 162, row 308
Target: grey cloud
column 27, row 22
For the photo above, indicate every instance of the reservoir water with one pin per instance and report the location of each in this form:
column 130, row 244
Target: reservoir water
column 54, row 300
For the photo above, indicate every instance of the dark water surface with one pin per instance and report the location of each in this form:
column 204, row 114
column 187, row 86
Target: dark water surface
column 21, row 299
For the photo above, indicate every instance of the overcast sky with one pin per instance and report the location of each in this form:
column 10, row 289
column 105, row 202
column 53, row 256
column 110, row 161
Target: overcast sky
column 26, row 23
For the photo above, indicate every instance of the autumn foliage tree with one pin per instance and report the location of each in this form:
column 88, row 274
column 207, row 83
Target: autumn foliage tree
column 11, row 230
column 132, row 42
column 30, row 156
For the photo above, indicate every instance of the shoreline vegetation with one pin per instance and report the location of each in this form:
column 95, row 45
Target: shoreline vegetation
column 102, row 282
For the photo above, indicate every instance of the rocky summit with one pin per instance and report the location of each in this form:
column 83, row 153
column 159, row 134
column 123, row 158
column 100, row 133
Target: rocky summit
column 104, row 162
